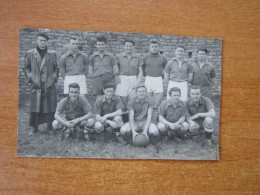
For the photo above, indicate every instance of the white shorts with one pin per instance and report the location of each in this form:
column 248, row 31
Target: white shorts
column 80, row 79
column 125, row 85
column 183, row 87
column 154, row 84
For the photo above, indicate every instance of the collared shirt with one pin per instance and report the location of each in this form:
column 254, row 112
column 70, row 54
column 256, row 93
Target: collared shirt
column 203, row 76
column 74, row 110
column 129, row 66
column 172, row 112
column 178, row 73
column 103, row 66
column 103, row 107
column 140, row 107
column 70, row 65
column 154, row 65
column 204, row 105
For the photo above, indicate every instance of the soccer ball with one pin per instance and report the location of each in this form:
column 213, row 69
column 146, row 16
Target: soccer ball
column 140, row 140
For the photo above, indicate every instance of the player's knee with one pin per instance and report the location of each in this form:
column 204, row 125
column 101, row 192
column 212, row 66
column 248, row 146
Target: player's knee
column 55, row 124
column 90, row 122
column 208, row 122
column 153, row 130
column 119, row 121
column 162, row 128
column 124, row 130
column 185, row 126
column 98, row 127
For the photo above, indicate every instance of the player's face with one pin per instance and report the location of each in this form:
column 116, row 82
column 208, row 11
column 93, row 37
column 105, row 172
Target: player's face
column 179, row 52
column 175, row 96
column 141, row 92
column 129, row 47
column 73, row 94
column 42, row 42
column 101, row 46
column 202, row 56
column 195, row 94
column 109, row 92
column 74, row 45
column 154, row 48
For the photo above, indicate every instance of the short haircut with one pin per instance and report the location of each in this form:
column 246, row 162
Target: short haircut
column 129, row 41
column 74, row 85
column 154, row 41
column 140, row 86
column 203, row 49
column 109, row 85
column 42, row 34
column 195, row 87
column 102, row 39
column 181, row 46
column 174, row 89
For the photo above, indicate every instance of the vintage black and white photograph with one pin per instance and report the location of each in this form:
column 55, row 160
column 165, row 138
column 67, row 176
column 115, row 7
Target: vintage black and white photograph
column 118, row 95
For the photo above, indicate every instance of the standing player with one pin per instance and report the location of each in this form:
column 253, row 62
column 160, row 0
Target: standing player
column 203, row 73
column 108, row 110
column 154, row 64
column 130, row 71
column 140, row 115
column 74, row 67
column 180, row 72
column 41, row 71
column 172, row 115
column 103, row 66
column 73, row 111
column 201, row 113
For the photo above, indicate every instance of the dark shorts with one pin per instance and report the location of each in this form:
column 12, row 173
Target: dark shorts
column 98, row 84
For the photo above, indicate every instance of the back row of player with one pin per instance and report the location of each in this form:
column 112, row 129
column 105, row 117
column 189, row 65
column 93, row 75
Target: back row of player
column 127, row 70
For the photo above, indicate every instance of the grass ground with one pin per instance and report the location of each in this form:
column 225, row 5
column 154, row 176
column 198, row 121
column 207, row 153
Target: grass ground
column 42, row 144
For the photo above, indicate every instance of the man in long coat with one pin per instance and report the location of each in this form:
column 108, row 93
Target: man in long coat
column 41, row 71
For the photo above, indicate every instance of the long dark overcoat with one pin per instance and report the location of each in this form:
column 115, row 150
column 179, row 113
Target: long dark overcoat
column 42, row 74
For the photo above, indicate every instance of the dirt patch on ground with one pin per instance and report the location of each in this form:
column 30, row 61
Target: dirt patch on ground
column 105, row 145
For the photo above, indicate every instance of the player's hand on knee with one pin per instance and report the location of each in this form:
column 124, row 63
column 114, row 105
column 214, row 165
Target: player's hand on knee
column 69, row 124
column 112, row 124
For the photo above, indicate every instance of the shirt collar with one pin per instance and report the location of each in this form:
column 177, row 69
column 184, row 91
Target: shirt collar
column 142, row 100
column 70, row 53
column 184, row 60
column 104, row 99
column 96, row 53
column 191, row 101
column 169, row 103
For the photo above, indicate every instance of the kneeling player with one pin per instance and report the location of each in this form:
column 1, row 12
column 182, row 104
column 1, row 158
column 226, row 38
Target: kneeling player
column 73, row 111
column 201, row 113
column 108, row 110
column 140, row 114
column 172, row 115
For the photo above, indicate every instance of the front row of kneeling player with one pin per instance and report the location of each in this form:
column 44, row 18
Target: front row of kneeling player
column 176, row 118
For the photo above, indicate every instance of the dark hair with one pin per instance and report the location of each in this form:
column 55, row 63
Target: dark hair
column 140, row 86
column 42, row 34
column 129, row 41
column 203, row 49
column 109, row 85
column 154, row 41
column 195, row 87
column 74, row 85
column 102, row 39
column 174, row 89
column 181, row 46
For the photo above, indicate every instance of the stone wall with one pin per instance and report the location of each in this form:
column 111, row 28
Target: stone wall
column 59, row 40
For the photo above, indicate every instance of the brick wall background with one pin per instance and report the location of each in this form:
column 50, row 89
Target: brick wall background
column 59, row 40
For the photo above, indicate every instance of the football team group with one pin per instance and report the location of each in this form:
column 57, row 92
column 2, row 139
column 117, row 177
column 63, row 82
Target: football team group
column 129, row 93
